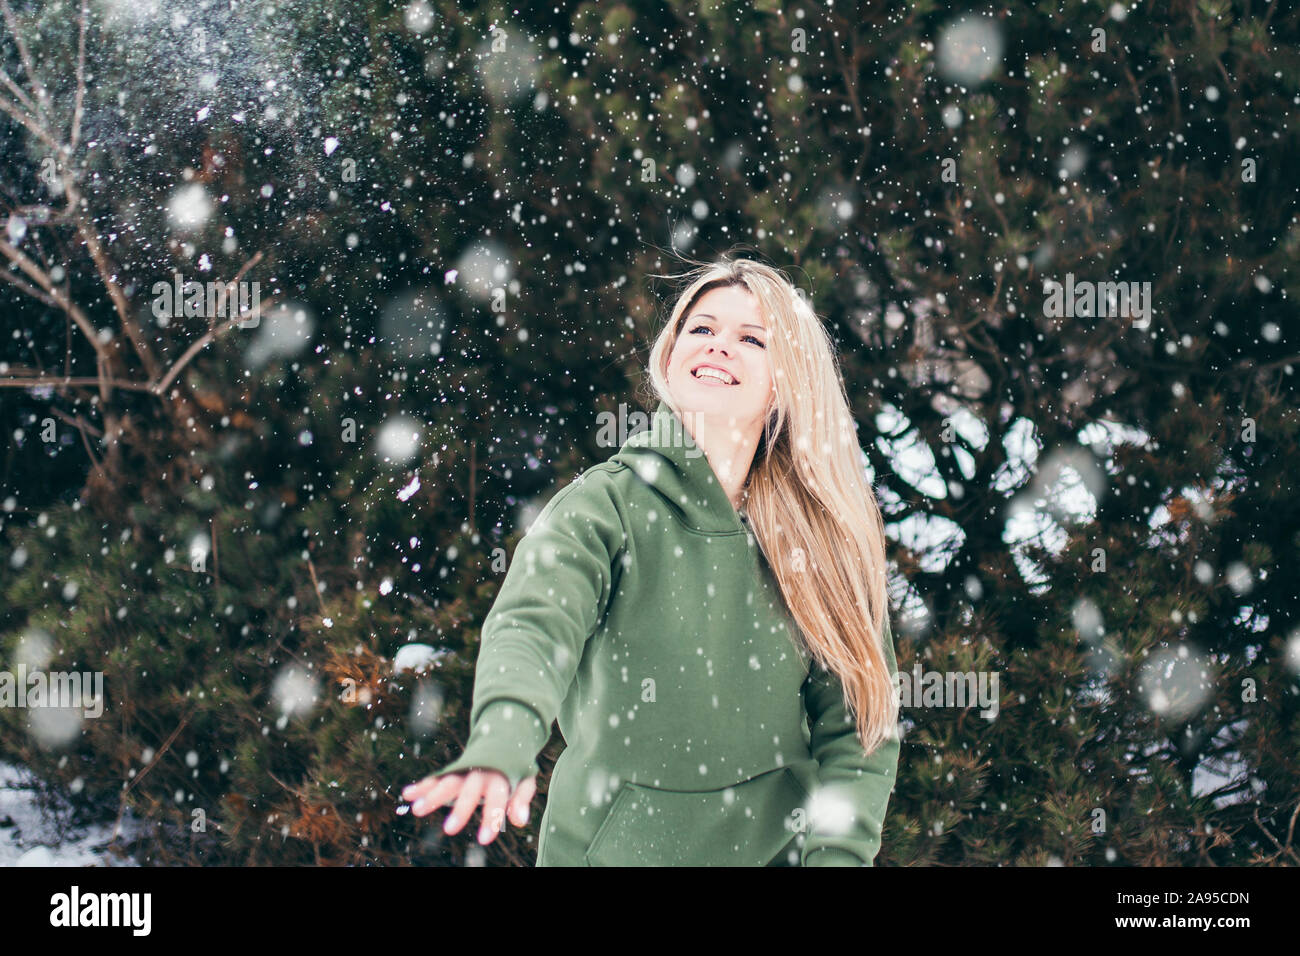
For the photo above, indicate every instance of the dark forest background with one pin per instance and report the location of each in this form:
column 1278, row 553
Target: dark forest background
column 453, row 213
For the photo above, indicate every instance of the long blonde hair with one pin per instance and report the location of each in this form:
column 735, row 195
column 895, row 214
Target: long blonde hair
column 810, row 505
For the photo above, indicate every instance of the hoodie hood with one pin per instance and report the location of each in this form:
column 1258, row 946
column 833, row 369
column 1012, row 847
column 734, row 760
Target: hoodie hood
column 667, row 458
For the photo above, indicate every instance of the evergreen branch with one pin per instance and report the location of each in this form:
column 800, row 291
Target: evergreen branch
column 1281, row 849
column 121, row 809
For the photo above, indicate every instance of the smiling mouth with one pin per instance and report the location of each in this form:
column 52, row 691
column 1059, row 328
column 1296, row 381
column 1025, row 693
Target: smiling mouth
column 708, row 374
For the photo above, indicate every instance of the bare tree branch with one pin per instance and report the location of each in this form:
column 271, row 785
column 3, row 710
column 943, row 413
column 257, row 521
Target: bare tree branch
column 61, row 300
column 28, row 289
column 199, row 345
column 59, row 381
column 76, row 420
column 33, row 125
column 42, row 278
column 82, row 426
column 39, row 214
column 81, row 76
column 42, row 96
column 39, row 126
column 63, row 381
column 17, row 91
column 54, row 298
column 106, row 274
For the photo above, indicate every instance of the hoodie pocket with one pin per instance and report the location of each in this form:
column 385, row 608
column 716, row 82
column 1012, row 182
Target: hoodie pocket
column 746, row 824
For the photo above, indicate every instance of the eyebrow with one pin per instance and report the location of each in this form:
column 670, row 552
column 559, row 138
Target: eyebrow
column 748, row 325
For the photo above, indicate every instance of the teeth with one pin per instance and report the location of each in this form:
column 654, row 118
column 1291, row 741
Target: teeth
column 710, row 373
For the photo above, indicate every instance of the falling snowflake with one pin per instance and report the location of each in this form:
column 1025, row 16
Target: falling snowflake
column 970, row 49
column 189, row 208
column 295, row 691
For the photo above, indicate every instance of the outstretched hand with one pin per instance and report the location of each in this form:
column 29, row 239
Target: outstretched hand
column 467, row 789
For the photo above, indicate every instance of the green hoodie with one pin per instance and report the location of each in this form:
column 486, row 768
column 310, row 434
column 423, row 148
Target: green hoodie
column 639, row 611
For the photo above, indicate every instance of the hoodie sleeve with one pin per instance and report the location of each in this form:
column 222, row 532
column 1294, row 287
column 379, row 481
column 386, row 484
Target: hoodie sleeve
column 555, row 591
column 862, row 782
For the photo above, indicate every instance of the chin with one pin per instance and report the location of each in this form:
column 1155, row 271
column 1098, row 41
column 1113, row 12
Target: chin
column 721, row 407
column 708, row 397
column 705, row 399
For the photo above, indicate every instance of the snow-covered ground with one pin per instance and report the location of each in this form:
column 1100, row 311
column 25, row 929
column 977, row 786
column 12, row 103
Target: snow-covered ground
column 26, row 839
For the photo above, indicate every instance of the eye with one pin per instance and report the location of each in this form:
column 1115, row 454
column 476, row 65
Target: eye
column 757, row 341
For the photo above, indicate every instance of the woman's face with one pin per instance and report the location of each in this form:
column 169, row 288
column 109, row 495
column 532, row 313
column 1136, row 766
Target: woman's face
column 723, row 331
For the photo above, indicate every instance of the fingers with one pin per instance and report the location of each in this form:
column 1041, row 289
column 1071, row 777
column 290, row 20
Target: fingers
column 494, row 808
column 463, row 808
column 520, row 801
column 466, row 790
column 432, row 792
column 494, row 789
column 422, row 788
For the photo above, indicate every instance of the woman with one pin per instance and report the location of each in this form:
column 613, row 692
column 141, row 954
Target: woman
column 682, row 608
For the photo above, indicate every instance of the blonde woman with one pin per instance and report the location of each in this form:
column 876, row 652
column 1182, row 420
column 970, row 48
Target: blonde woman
column 705, row 614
